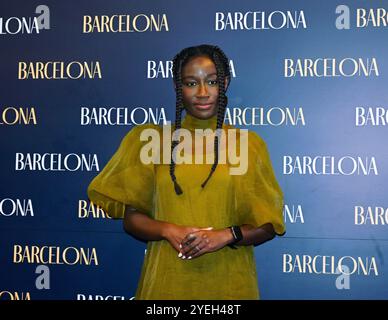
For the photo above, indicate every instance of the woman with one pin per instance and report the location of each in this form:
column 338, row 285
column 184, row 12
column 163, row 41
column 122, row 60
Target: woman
column 201, row 222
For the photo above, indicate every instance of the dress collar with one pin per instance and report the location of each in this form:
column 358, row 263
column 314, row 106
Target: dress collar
column 191, row 122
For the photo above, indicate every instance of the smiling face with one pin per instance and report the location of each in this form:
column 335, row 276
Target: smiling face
column 200, row 87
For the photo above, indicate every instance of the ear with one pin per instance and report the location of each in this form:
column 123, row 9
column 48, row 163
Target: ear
column 226, row 83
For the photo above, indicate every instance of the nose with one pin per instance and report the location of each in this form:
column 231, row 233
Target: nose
column 202, row 91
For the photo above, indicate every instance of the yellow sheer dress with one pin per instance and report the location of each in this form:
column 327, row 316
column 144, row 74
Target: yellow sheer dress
column 253, row 198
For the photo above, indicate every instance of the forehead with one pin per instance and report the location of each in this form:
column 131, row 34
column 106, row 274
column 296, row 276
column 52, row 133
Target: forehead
column 200, row 64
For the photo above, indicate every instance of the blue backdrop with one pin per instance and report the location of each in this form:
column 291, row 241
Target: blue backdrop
column 316, row 76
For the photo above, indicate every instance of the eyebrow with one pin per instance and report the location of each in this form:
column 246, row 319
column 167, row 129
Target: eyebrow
column 193, row 77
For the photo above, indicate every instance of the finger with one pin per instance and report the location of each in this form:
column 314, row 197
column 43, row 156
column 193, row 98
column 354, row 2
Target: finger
column 189, row 238
column 186, row 248
column 176, row 246
column 203, row 239
column 192, row 234
column 183, row 251
column 192, row 248
column 202, row 250
column 194, row 230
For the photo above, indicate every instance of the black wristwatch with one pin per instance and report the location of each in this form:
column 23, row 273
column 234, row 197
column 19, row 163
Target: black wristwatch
column 237, row 236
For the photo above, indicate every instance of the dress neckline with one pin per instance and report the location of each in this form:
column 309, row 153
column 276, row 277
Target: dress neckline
column 191, row 122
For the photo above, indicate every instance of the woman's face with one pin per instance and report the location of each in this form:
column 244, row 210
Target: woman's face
column 200, row 87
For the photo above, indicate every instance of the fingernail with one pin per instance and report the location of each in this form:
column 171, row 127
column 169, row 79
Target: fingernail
column 180, row 254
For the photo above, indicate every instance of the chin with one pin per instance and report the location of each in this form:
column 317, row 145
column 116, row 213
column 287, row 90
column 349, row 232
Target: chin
column 202, row 114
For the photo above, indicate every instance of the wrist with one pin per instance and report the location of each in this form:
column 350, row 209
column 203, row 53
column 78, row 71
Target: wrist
column 237, row 236
column 228, row 236
column 166, row 230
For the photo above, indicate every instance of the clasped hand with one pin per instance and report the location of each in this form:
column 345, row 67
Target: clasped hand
column 194, row 242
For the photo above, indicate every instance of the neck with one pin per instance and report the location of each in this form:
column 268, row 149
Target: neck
column 191, row 122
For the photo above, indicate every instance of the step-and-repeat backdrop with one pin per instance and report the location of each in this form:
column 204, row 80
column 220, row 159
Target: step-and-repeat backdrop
column 310, row 77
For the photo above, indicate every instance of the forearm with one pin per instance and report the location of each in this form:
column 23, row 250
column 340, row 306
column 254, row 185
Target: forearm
column 143, row 227
column 255, row 236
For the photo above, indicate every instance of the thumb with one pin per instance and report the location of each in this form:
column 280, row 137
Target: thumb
column 199, row 229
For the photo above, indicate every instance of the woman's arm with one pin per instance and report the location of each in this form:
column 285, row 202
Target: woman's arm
column 145, row 228
column 255, row 236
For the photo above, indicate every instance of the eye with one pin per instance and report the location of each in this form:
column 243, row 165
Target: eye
column 190, row 83
column 213, row 82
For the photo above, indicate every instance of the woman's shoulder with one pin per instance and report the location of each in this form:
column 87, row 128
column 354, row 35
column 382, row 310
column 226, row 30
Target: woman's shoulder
column 256, row 144
column 138, row 129
column 141, row 127
column 133, row 136
column 254, row 138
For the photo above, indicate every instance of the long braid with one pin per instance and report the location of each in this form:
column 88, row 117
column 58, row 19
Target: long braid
column 220, row 112
column 177, row 71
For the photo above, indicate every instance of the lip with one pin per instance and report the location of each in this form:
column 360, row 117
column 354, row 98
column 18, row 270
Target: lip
column 203, row 106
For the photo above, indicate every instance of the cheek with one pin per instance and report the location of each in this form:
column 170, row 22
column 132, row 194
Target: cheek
column 186, row 94
column 213, row 91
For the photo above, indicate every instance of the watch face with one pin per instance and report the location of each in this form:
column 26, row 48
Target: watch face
column 237, row 233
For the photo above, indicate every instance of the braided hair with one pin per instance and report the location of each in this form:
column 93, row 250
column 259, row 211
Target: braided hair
column 221, row 62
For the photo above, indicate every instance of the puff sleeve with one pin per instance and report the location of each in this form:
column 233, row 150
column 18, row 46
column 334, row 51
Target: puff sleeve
column 125, row 180
column 260, row 196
